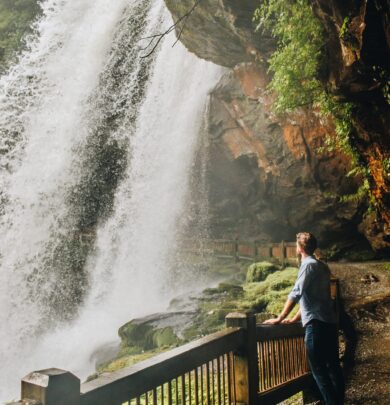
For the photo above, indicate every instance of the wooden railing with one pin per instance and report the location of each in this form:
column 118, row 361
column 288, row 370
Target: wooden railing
column 243, row 364
column 244, row 250
column 283, row 367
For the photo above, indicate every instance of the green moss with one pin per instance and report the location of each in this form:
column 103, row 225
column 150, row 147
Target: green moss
column 124, row 361
column 272, row 291
column 260, row 271
column 138, row 336
column 164, row 337
column 386, row 266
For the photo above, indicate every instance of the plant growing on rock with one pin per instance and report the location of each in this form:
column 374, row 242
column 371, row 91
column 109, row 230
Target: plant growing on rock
column 297, row 67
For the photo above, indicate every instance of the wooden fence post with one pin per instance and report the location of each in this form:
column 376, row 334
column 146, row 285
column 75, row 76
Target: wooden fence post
column 235, row 252
column 51, row 387
column 255, row 251
column 245, row 381
column 283, row 253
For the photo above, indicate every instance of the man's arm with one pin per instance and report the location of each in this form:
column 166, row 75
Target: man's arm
column 288, row 307
column 293, row 298
column 295, row 318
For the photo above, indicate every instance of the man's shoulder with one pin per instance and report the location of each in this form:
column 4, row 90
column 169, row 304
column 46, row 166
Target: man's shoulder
column 312, row 264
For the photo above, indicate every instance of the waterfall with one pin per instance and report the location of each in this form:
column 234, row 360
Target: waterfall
column 96, row 148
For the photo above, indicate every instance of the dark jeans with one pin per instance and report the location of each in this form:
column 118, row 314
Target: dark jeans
column 322, row 349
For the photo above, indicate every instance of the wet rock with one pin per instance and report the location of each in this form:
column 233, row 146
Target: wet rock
column 221, row 31
column 154, row 331
column 267, row 179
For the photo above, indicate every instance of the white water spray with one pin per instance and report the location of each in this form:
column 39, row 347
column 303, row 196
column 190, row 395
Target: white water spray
column 48, row 103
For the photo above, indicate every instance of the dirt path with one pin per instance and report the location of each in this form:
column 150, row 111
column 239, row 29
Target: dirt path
column 363, row 286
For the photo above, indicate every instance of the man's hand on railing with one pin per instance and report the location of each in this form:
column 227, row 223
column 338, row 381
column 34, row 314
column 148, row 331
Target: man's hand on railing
column 288, row 306
column 273, row 321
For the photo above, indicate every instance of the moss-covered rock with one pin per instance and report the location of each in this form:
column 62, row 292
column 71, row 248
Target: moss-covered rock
column 135, row 334
column 146, row 333
column 165, row 337
column 145, row 337
column 260, row 271
column 270, row 294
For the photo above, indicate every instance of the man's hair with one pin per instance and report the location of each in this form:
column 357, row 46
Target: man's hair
column 307, row 242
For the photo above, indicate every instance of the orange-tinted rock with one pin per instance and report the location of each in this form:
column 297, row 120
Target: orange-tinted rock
column 267, row 178
column 273, row 167
column 253, row 79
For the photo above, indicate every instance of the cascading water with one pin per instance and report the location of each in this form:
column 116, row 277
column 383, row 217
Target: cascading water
column 96, row 143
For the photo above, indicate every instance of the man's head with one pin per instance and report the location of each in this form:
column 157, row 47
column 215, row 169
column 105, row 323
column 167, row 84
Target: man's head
column 306, row 243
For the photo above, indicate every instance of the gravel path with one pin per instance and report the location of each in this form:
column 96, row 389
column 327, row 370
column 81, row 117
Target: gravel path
column 362, row 286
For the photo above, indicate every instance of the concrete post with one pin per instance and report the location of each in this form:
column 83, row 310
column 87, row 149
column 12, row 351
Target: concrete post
column 52, row 387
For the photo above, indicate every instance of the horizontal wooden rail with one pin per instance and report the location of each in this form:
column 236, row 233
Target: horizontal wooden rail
column 124, row 385
column 284, row 391
column 243, row 249
column 269, row 332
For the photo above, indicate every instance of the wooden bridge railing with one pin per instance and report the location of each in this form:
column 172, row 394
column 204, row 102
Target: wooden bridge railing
column 244, row 250
column 243, row 364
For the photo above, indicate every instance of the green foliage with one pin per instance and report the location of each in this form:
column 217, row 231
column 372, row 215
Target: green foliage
column 344, row 27
column 386, row 166
column 386, row 266
column 346, row 36
column 296, row 67
column 15, row 22
column 296, row 62
column 260, row 271
column 341, row 114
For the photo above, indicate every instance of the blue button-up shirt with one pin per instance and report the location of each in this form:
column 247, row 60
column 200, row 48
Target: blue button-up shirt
column 312, row 291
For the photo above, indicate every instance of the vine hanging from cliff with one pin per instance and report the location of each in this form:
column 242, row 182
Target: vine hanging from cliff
column 296, row 68
column 296, row 62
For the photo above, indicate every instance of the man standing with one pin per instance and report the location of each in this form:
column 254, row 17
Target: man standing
column 312, row 291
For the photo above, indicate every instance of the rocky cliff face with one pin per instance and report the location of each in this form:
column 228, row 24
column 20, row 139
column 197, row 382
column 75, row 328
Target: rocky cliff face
column 358, row 70
column 269, row 177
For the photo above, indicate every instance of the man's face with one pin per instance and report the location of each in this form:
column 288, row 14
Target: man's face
column 298, row 248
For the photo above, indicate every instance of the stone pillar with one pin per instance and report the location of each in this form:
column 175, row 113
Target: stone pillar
column 246, row 373
column 51, row 387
